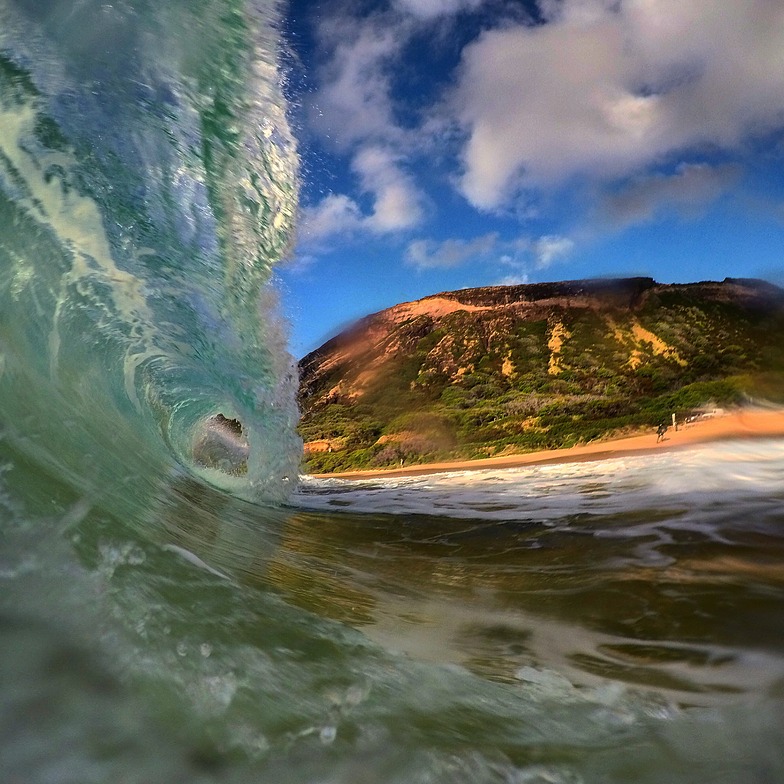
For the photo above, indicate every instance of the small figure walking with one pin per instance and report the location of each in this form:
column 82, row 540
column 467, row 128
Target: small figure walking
column 660, row 431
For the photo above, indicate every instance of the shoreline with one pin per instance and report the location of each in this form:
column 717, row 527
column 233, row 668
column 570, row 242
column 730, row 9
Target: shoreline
column 732, row 425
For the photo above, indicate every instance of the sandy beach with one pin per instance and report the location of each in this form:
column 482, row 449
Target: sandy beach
column 745, row 423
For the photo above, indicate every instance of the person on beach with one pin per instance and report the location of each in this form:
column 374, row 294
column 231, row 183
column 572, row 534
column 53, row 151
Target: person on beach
column 660, row 431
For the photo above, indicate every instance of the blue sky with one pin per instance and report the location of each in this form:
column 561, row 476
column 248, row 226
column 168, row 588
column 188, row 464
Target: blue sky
column 456, row 143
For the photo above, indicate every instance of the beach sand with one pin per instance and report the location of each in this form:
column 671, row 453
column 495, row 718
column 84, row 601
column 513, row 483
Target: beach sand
column 745, row 423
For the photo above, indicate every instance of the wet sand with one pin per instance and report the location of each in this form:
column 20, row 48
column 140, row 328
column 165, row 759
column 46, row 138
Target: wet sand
column 746, row 423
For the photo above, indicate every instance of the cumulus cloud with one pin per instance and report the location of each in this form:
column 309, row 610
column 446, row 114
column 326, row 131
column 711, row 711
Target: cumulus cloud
column 551, row 248
column 353, row 110
column 336, row 214
column 606, row 88
column 426, row 254
column 514, row 280
column 686, row 190
column 432, row 9
column 521, row 254
column 353, row 103
column 397, row 203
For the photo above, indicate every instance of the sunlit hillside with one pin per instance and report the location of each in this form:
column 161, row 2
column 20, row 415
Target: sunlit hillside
column 498, row 370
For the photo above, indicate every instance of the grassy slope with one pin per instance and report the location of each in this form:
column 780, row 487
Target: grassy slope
column 479, row 384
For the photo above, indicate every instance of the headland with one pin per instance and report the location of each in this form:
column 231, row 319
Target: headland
column 538, row 371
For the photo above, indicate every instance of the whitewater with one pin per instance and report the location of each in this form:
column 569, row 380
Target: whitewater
column 177, row 605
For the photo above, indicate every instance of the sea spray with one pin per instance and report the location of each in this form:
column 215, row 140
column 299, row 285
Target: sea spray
column 147, row 185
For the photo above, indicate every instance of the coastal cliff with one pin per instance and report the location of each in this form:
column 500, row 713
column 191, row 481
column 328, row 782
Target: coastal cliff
column 505, row 369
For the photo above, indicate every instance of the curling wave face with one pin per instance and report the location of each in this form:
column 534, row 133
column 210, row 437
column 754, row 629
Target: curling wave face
column 147, row 186
column 559, row 625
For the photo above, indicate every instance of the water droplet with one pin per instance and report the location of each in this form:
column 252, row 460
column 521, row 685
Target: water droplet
column 328, row 734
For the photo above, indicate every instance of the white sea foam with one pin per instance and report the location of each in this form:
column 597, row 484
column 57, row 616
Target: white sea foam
column 715, row 474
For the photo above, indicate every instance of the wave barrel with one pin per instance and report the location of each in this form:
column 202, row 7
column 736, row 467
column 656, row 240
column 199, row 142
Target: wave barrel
column 148, row 184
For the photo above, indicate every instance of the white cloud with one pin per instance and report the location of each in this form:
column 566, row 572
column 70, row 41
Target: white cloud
column 397, row 203
column 521, row 254
column 551, row 248
column 336, row 214
column 514, row 280
column 354, row 110
column 353, row 103
column 426, row 254
column 432, row 9
column 688, row 189
column 607, row 88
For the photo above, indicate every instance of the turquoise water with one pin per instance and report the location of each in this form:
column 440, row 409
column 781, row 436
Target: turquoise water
column 148, row 186
column 175, row 606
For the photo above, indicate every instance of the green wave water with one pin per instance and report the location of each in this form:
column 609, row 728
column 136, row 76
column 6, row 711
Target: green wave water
column 148, row 184
column 173, row 610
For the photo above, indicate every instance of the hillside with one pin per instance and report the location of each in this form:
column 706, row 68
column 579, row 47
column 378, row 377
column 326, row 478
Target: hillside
column 505, row 369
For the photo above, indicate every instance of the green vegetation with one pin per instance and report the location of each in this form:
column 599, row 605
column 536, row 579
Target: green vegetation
column 492, row 381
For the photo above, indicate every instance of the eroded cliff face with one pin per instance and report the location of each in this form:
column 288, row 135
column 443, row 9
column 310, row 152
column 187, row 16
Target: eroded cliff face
column 487, row 368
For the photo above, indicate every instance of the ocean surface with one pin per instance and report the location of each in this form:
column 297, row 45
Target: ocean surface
column 176, row 605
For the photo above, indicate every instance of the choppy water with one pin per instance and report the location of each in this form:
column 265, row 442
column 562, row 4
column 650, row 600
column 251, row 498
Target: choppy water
column 171, row 612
